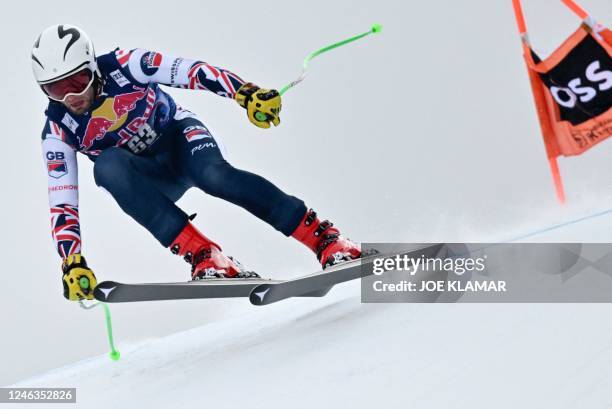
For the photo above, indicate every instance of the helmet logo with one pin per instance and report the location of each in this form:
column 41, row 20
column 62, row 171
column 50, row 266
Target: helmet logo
column 36, row 45
column 74, row 36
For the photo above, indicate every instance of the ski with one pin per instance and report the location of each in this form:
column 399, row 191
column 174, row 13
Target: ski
column 260, row 291
column 113, row 291
column 319, row 283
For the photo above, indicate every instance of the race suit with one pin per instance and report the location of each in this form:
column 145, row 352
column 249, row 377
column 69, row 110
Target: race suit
column 148, row 152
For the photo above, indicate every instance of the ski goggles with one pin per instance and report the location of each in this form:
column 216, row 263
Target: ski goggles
column 75, row 84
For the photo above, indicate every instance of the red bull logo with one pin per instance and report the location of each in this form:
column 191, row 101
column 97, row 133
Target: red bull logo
column 110, row 116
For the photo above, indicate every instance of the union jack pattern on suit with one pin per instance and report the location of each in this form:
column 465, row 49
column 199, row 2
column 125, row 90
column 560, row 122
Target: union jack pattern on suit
column 65, row 229
column 53, row 130
column 123, row 56
column 206, row 77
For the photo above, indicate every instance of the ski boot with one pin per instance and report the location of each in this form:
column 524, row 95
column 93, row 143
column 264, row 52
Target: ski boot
column 205, row 256
column 325, row 240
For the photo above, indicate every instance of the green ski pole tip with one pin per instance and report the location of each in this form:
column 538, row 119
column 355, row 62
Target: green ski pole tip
column 115, row 355
column 376, row 28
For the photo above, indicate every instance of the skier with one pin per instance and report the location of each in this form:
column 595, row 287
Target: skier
column 148, row 151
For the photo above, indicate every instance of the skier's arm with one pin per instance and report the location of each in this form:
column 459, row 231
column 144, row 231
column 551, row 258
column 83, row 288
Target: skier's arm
column 262, row 105
column 149, row 66
column 78, row 280
column 61, row 163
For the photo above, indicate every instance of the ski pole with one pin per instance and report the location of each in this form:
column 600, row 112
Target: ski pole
column 376, row 28
column 114, row 353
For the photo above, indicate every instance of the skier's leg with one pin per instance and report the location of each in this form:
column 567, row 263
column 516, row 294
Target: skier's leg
column 145, row 189
column 253, row 193
column 204, row 165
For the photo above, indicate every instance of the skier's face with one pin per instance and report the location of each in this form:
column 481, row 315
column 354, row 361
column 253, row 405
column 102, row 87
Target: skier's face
column 79, row 104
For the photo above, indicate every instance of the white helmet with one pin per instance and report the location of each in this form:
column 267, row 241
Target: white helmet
column 60, row 51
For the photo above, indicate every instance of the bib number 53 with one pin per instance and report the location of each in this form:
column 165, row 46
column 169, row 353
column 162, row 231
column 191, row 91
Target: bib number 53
column 143, row 139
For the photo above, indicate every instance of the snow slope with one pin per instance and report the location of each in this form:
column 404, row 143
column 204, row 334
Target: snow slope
column 336, row 351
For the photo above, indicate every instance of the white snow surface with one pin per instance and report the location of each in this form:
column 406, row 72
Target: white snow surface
column 336, row 351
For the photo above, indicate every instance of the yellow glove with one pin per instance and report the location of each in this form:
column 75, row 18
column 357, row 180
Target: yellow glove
column 78, row 280
column 262, row 105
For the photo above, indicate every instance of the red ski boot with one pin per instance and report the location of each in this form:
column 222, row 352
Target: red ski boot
column 325, row 240
column 205, row 256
